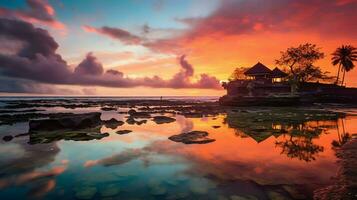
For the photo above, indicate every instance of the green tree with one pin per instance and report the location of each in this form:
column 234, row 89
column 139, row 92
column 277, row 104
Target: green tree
column 344, row 57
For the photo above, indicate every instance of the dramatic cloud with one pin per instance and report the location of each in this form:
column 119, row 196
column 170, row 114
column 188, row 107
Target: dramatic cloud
column 36, row 59
column 329, row 19
column 333, row 18
column 89, row 66
column 152, row 38
column 241, row 17
column 188, row 69
column 182, row 78
column 38, row 11
column 115, row 33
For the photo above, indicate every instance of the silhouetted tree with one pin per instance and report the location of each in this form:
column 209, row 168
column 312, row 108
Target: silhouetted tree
column 312, row 73
column 238, row 73
column 300, row 61
column 344, row 57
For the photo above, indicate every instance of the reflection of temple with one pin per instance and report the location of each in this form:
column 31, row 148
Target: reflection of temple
column 294, row 136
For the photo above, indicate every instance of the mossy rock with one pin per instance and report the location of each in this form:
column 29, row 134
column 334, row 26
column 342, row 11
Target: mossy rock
column 193, row 137
column 85, row 192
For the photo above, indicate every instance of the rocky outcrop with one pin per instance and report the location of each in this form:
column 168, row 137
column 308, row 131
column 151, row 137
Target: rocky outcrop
column 69, row 121
column 193, row 137
column 135, row 114
column 78, row 127
column 132, row 121
column 163, row 119
column 87, row 134
column 112, row 123
column 109, row 108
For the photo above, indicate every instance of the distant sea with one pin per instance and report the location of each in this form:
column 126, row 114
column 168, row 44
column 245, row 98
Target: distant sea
column 118, row 98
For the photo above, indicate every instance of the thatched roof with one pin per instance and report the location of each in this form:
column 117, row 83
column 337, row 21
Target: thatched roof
column 258, row 69
column 277, row 73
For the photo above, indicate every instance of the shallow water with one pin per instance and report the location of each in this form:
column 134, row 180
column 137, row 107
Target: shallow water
column 145, row 164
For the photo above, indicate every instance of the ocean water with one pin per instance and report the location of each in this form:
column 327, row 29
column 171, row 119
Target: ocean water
column 246, row 160
column 114, row 98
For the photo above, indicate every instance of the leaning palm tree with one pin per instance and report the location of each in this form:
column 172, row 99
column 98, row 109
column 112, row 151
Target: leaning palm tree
column 344, row 57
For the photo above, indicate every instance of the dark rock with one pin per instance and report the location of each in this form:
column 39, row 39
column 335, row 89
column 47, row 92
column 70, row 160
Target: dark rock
column 192, row 114
column 78, row 127
column 108, row 108
column 193, row 137
column 141, row 115
column 131, row 112
column 7, row 138
column 132, row 121
column 113, row 123
column 136, row 114
column 70, row 121
column 163, row 119
column 122, row 132
column 141, row 122
column 216, row 127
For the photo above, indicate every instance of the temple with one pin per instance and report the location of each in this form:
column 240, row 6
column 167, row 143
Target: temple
column 262, row 86
column 259, row 81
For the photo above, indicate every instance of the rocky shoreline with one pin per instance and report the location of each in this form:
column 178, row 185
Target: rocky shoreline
column 345, row 185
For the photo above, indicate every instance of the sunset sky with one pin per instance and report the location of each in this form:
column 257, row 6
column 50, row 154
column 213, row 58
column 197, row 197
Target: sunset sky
column 158, row 47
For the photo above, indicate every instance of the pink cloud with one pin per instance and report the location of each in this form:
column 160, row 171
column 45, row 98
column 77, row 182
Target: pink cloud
column 115, row 33
column 38, row 11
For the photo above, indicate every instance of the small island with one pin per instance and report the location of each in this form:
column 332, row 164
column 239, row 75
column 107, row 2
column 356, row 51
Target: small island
column 297, row 82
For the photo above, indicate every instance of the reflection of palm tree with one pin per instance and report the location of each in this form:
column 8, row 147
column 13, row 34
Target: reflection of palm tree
column 301, row 147
column 342, row 138
column 344, row 57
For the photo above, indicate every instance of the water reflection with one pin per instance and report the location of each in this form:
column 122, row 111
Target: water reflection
column 258, row 154
column 343, row 136
column 32, row 168
column 296, row 130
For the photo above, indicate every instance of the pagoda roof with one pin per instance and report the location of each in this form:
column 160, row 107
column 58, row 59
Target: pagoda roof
column 258, row 69
column 277, row 73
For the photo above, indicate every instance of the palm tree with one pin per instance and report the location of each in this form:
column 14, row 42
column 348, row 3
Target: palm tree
column 344, row 57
